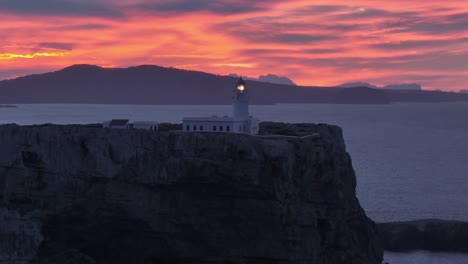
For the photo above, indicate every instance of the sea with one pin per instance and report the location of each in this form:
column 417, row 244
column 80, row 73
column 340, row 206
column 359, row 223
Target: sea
column 411, row 159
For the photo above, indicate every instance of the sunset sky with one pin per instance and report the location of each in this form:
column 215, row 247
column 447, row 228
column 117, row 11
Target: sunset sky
column 322, row 43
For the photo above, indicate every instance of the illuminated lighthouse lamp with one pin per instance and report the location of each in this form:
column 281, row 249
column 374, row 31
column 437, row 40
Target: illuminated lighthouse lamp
column 241, row 85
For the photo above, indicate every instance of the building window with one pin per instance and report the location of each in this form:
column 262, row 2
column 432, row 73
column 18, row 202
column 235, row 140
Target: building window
column 214, row 128
column 228, row 128
column 194, row 128
column 187, row 128
column 220, row 128
column 201, row 128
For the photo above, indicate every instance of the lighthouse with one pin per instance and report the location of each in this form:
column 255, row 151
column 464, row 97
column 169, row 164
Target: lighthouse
column 240, row 101
column 240, row 122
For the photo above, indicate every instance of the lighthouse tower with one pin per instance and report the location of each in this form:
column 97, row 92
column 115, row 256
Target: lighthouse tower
column 240, row 101
column 240, row 122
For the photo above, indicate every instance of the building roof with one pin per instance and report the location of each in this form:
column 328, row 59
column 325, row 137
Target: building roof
column 119, row 122
column 216, row 119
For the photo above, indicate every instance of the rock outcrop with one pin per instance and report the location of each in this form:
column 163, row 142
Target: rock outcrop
column 74, row 194
column 428, row 234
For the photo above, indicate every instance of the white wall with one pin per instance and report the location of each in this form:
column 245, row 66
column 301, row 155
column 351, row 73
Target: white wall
column 234, row 126
column 145, row 125
column 249, row 126
column 207, row 126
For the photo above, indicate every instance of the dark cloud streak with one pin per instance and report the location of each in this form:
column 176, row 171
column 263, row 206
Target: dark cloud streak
column 82, row 8
column 421, row 44
column 56, row 46
column 224, row 7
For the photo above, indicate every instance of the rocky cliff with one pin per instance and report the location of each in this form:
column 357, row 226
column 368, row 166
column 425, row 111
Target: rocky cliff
column 72, row 194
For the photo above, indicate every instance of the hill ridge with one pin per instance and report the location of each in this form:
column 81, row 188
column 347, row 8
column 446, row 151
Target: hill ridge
column 152, row 84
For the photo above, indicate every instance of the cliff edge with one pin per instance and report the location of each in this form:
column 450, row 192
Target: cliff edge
column 75, row 194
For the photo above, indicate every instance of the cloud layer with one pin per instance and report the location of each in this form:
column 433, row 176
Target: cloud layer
column 394, row 41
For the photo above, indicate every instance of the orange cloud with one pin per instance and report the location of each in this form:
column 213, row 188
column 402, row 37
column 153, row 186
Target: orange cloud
column 10, row 56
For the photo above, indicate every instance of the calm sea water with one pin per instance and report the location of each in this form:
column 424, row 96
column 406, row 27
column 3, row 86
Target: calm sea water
column 411, row 160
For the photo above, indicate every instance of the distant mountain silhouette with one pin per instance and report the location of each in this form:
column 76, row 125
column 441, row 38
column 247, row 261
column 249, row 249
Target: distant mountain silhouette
column 271, row 78
column 159, row 85
column 360, row 95
column 357, row 84
column 464, row 91
column 404, row 86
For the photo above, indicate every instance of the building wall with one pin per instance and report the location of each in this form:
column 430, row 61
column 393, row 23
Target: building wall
column 254, row 125
column 145, row 125
column 209, row 126
column 240, row 107
column 249, row 126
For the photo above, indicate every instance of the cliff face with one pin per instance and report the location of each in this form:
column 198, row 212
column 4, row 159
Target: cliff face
column 87, row 195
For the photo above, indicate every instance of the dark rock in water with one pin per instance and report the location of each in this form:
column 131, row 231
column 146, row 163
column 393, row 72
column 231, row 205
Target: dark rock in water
column 78, row 194
column 433, row 235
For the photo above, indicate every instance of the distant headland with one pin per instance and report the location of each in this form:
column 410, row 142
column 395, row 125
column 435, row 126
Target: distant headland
column 148, row 84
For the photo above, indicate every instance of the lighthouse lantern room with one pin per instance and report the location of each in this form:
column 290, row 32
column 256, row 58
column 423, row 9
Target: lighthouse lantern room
column 240, row 101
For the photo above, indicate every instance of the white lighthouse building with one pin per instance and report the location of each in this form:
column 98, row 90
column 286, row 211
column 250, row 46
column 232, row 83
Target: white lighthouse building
column 240, row 121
